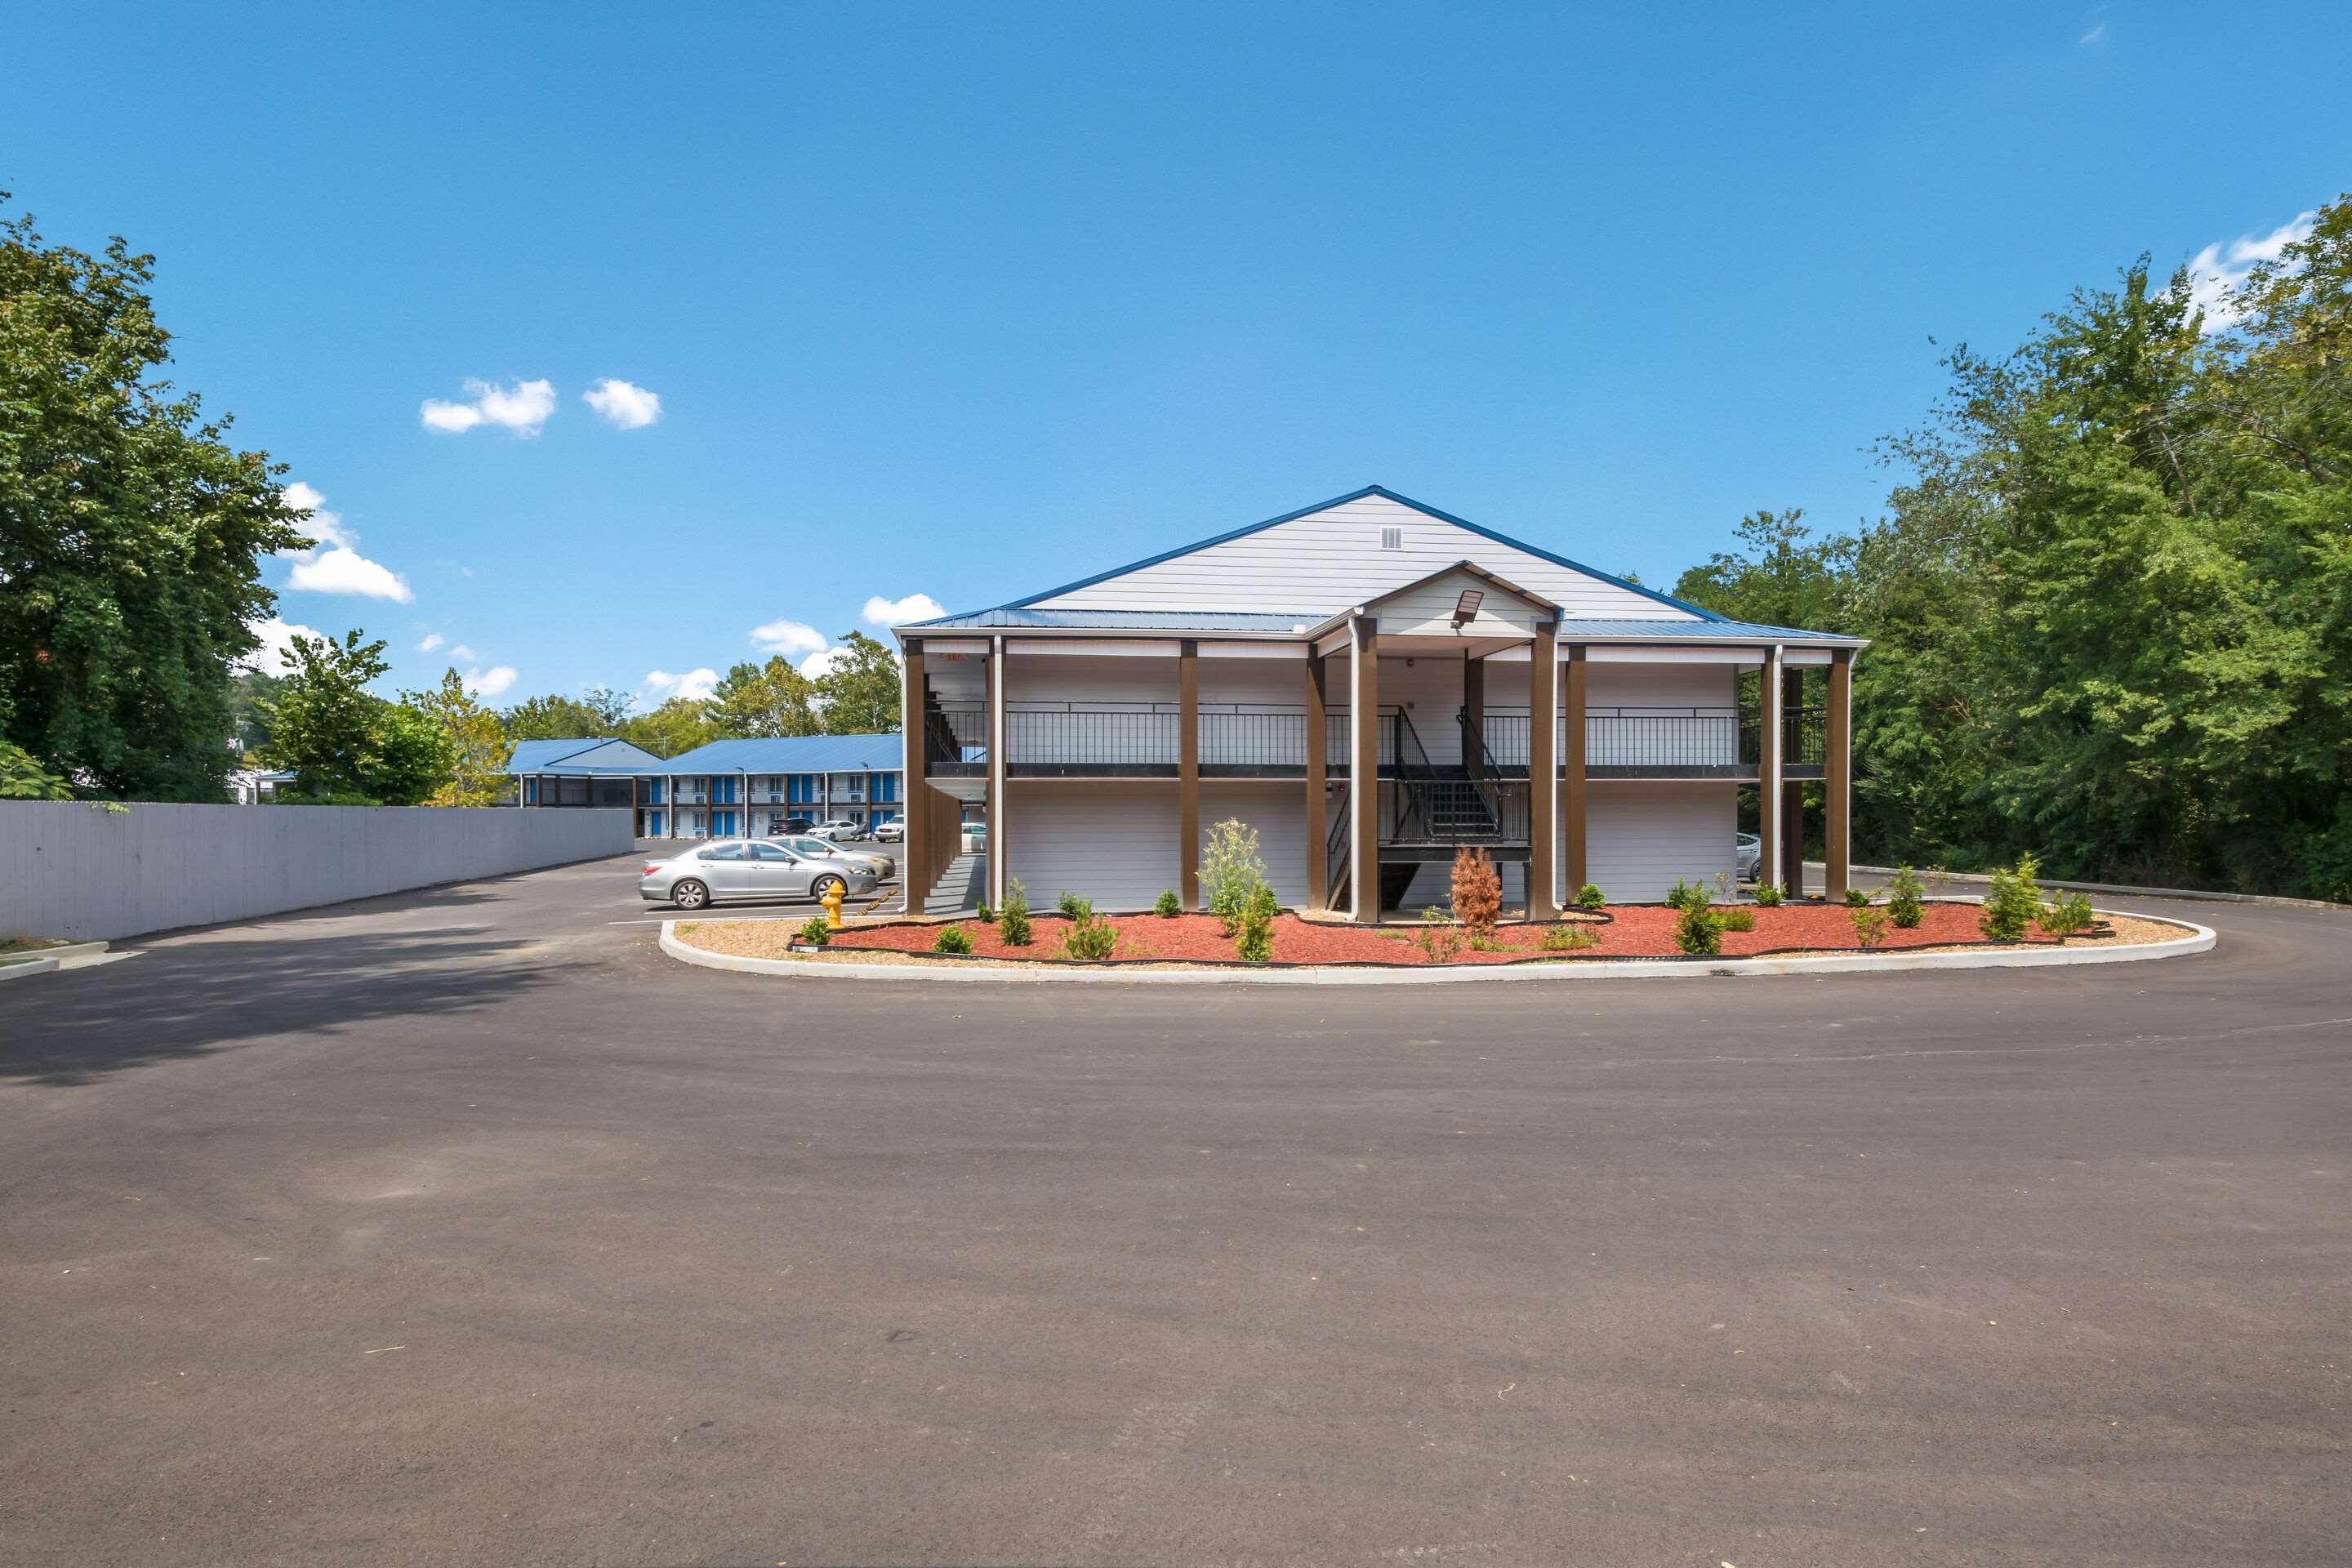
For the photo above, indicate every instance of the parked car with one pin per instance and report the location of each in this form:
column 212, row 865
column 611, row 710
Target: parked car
column 792, row 824
column 1751, row 854
column 894, row 831
column 737, row 870
column 822, row 849
column 975, row 838
column 840, row 828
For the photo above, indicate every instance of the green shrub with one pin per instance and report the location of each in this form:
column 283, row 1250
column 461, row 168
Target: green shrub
column 1168, row 906
column 1869, row 924
column 1738, row 919
column 2068, row 914
column 1230, row 871
column 1074, row 907
column 1255, row 942
column 1439, row 938
column 1591, row 897
column 1012, row 920
column 982, row 915
column 1698, row 930
column 1906, row 898
column 952, row 939
column 1688, row 895
column 2013, row 902
column 817, row 933
column 1089, row 936
column 1567, row 938
column 1855, row 899
column 1771, row 895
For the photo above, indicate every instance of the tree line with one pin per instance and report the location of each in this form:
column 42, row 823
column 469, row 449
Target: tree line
column 2110, row 600
column 2110, row 603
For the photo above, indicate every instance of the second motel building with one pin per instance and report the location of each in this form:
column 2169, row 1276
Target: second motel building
column 1371, row 684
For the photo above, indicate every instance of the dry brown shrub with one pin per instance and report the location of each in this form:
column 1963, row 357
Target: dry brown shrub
column 1477, row 891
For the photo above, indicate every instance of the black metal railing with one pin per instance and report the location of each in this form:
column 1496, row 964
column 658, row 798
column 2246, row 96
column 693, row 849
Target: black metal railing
column 1146, row 739
column 1805, row 738
column 1454, row 811
column 955, row 739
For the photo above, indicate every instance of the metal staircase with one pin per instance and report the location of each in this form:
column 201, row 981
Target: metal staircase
column 1426, row 810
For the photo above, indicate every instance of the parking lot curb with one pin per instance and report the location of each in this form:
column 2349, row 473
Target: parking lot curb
column 2200, row 940
column 21, row 967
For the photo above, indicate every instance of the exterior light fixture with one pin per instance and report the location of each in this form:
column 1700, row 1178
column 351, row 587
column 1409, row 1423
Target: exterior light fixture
column 1466, row 610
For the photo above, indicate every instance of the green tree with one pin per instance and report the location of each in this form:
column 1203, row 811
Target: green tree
column 249, row 691
column 478, row 745
column 22, row 777
column 131, row 533
column 678, row 725
column 767, row 699
column 343, row 742
column 858, row 693
column 561, row 719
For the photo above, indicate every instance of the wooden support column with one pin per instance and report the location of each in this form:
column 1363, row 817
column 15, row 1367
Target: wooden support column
column 1319, row 827
column 1364, row 769
column 1543, row 771
column 1768, row 868
column 916, row 874
column 1838, row 776
column 1793, row 791
column 998, row 849
column 1572, row 768
column 1188, row 773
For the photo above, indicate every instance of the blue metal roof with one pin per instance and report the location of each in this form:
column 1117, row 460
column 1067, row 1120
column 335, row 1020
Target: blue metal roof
column 793, row 754
column 589, row 756
column 1385, row 494
column 1579, row 629
column 1012, row 616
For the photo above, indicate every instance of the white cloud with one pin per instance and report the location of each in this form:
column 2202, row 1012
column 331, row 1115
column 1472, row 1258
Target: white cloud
column 489, row 682
column 342, row 571
column 822, row 661
column 2094, row 37
column 788, row 637
column 523, row 407
column 276, row 635
column 324, row 527
column 914, row 607
column 659, row 686
column 463, row 654
column 432, row 640
column 2218, row 269
column 622, row 405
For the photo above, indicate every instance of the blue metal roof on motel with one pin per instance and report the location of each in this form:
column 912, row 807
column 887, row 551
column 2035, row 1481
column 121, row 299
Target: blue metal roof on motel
column 583, row 757
column 793, row 754
column 1573, row 629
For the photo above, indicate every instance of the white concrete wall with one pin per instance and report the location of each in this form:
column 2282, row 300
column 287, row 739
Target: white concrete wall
column 69, row 869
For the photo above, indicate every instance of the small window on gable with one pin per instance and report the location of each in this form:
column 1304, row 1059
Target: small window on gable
column 1392, row 539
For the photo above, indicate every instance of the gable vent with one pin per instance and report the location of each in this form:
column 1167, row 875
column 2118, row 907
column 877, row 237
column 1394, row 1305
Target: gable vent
column 1392, row 539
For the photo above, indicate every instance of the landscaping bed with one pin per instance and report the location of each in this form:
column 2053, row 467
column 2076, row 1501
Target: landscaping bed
column 1620, row 933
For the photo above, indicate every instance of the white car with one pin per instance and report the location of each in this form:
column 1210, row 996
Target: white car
column 891, row 832
column 1751, row 854
column 839, row 829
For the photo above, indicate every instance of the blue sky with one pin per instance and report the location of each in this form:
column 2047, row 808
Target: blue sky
column 968, row 301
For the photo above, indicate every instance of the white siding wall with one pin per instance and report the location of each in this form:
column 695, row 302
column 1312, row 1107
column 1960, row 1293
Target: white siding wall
column 1112, row 843
column 1318, row 565
column 1278, row 812
column 1640, row 836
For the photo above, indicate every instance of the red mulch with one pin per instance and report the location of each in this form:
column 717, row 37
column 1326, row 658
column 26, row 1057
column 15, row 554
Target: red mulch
column 1639, row 932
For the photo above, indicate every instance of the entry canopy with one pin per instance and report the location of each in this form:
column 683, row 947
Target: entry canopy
column 1461, row 609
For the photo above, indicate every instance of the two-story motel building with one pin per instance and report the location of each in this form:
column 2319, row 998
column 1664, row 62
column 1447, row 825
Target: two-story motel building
column 1371, row 684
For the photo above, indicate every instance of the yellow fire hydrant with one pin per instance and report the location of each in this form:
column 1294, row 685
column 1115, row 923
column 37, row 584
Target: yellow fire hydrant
column 832, row 902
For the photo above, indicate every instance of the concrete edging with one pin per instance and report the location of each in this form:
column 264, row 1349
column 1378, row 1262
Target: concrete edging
column 19, row 968
column 2200, row 940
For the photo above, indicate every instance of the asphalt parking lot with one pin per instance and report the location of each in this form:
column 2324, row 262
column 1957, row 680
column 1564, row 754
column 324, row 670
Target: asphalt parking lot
column 464, row 1226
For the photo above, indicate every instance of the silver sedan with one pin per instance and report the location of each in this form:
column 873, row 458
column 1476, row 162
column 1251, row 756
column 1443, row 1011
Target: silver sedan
column 735, row 870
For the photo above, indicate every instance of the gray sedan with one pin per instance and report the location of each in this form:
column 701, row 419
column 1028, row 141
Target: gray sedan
column 734, row 870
